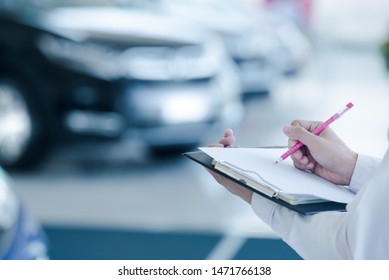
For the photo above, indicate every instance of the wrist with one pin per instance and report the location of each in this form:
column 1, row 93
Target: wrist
column 247, row 196
column 351, row 163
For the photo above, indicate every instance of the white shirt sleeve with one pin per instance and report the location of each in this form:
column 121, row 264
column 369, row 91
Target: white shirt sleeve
column 359, row 233
column 364, row 170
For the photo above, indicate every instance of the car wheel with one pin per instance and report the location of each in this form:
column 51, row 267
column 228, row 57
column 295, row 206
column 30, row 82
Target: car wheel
column 22, row 129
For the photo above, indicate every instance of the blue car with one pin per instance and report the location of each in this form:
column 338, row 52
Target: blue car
column 21, row 236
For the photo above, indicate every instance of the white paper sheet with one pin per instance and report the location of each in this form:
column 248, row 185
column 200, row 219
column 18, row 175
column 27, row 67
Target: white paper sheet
column 283, row 175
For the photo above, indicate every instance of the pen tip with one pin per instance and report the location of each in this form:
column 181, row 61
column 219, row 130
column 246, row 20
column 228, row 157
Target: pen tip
column 278, row 160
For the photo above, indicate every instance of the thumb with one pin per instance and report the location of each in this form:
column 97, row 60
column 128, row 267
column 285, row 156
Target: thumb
column 229, row 138
column 299, row 133
column 228, row 132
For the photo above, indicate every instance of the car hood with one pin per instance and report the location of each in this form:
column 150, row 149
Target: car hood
column 122, row 25
column 227, row 24
column 219, row 16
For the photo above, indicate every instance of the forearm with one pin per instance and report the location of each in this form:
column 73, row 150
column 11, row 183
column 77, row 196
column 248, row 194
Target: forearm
column 320, row 236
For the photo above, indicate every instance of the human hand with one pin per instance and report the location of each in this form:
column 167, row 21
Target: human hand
column 233, row 187
column 325, row 155
column 229, row 141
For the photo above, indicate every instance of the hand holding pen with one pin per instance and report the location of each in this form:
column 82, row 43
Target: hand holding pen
column 327, row 155
column 316, row 131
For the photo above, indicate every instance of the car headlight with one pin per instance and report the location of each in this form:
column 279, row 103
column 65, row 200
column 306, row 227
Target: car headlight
column 186, row 109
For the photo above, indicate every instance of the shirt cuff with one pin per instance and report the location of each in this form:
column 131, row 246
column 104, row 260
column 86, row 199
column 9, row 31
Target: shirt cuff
column 363, row 171
column 263, row 208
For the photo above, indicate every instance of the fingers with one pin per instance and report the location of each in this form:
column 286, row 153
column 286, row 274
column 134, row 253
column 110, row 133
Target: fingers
column 229, row 138
column 299, row 131
column 303, row 162
column 227, row 141
column 228, row 132
column 308, row 125
column 216, row 146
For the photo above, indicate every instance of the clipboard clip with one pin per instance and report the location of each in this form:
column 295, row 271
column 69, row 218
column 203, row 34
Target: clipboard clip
column 276, row 190
column 276, row 194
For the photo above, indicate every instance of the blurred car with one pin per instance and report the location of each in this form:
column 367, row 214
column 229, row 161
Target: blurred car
column 105, row 73
column 21, row 235
column 296, row 11
column 264, row 46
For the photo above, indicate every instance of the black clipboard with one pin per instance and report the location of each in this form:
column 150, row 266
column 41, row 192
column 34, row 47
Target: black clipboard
column 304, row 209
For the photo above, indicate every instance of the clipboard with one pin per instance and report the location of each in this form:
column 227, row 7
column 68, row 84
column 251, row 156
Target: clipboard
column 304, row 209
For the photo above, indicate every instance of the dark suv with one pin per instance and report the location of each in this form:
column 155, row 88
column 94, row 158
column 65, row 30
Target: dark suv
column 108, row 74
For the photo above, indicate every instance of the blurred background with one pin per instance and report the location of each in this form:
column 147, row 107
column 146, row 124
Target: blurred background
column 98, row 101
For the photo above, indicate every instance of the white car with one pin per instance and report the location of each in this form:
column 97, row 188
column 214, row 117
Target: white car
column 263, row 45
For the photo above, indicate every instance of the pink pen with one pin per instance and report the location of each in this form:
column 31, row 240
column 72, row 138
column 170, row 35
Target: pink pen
column 317, row 131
